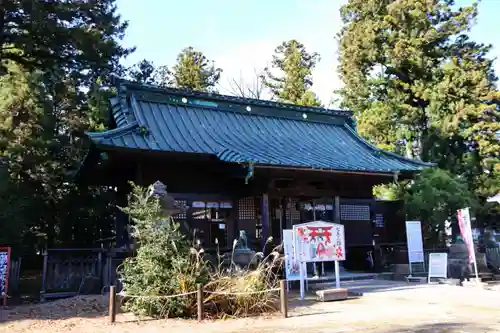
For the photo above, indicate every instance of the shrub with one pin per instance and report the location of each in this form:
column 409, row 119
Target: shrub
column 165, row 264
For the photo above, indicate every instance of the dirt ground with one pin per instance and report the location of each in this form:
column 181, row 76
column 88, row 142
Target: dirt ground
column 436, row 308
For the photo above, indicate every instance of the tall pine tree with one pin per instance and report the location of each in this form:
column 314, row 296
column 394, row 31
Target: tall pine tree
column 421, row 87
column 192, row 71
column 293, row 80
column 54, row 56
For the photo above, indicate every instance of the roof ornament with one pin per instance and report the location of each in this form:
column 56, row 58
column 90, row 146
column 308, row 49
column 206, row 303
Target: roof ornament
column 250, row 172
column 184, row 100
column 304, row 115
column 249, row 108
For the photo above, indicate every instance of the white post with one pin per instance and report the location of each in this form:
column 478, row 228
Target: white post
column 323, row 268
column 302, row 287
column 337, row 274
column 475, row 269
column 306, row 277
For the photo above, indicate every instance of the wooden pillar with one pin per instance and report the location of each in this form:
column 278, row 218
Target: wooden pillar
column 121, row 219
column 337, row 209
column 284, row 207
column 377, row 258
column 264, row 216
column 44, row 275
column 139, row 180
column 112, row 304
column 199, row 302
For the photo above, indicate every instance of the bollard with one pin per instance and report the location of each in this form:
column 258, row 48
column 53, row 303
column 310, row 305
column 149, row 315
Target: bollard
column 112, row 304
column 284, row 299
column 199, row 302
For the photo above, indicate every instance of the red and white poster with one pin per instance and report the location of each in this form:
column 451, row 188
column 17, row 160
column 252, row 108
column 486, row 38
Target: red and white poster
column 320, row 241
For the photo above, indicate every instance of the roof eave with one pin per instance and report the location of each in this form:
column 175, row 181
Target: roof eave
column 388, row 173
column 388, row 153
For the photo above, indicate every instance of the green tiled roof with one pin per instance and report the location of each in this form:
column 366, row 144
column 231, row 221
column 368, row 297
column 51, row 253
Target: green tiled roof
column 239, row 130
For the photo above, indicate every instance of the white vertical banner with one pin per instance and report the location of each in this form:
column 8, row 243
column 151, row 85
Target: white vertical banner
column 415, row 243
column 292, row 264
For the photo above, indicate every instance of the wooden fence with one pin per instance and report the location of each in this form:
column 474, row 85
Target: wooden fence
column 14, row 275
column 493, row 257
column 69, row 272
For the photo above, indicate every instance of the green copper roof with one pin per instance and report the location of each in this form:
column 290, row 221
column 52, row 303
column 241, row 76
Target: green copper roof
column 239, row 130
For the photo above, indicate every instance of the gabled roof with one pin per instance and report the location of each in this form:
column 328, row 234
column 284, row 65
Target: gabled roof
column 240, row 130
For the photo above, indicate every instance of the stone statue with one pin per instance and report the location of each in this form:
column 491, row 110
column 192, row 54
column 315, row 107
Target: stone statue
column 242, row 255
column 242, row 243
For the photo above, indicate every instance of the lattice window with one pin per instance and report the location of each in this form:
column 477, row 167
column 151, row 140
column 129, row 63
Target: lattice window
column 379, row 220
column 292, row 212
column 182, row 205
column 355, row 213
column 246, row 209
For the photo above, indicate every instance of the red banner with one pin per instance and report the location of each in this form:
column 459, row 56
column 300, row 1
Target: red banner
column 466, row 232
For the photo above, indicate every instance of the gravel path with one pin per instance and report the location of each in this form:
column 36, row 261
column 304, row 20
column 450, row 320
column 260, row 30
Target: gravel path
column 433, row 309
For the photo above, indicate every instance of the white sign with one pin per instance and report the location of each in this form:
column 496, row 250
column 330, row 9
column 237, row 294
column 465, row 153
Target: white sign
column 212, row 205
column 198, row 204
column 292, row 264
column 226, row 204
column 438, row 266
column 415, row 243
column 319, row 241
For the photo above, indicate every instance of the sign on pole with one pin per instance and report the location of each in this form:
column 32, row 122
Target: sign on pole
column 464, row 224
column 415, row 244
column 292, row 264
column 4, row 272
column 438, row 266
column 316, row 242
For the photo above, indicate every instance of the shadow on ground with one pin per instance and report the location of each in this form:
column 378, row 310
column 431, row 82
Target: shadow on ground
column 370, row 286
column 440, row 328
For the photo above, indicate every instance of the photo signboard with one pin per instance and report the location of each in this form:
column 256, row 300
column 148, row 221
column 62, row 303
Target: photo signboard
column 318, row 241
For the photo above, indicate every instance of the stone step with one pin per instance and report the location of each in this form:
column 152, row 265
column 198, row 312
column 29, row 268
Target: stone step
column 418, row 279
column 327, row 295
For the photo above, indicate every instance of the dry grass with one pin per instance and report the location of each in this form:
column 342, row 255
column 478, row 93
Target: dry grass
column 234, row 292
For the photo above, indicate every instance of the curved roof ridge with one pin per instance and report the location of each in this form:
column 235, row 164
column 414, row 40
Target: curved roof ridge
column 234, row 99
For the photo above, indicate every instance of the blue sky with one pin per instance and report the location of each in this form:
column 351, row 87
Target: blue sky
column 241, row 35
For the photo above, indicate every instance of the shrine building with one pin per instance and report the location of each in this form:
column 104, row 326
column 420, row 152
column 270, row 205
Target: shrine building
column 246, row 164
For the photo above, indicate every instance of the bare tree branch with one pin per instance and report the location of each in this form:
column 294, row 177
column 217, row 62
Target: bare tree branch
column 241, row 88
